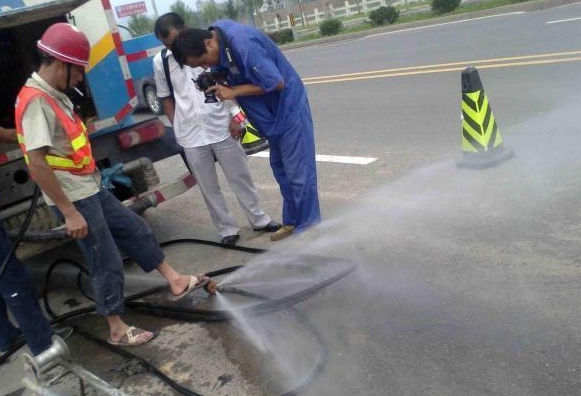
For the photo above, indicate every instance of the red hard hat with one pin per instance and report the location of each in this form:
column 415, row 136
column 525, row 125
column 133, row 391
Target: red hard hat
column 66, row 43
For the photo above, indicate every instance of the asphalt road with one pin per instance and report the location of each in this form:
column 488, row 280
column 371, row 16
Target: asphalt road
column 470, row 278
column 467, row 280
column 392, row 117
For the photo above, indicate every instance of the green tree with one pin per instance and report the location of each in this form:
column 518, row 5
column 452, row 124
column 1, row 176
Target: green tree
column 210, row 11
column 191, row 18
column 230, row 10
column 140, row 24
column 251, row 6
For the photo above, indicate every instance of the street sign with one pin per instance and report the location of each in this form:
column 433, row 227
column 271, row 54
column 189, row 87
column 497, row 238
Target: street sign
column 131, row 9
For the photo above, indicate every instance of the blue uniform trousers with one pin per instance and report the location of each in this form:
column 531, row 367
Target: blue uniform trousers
column 292, row 159
column 18, row 295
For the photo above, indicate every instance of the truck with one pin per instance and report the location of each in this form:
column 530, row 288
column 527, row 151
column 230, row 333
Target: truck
column 119, row 72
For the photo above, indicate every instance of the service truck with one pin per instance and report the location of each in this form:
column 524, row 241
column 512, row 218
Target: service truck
column 107, row 99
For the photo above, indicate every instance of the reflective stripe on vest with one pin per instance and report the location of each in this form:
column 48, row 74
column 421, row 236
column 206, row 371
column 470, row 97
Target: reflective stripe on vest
column 81, row 160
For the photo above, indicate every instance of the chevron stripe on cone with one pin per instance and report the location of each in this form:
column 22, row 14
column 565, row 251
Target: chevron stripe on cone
column 482, row 144
column 252, row 142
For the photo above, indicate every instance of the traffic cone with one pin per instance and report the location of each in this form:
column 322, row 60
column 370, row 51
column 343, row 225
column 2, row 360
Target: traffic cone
column 482, row 144
column 252, row 142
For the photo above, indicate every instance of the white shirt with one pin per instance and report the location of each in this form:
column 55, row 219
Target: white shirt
column 195, row 123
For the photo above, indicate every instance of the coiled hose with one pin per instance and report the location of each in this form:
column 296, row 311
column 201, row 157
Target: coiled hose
column 265, row 306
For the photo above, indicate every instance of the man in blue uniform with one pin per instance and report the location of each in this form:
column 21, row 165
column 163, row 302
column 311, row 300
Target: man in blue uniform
column 274, row 98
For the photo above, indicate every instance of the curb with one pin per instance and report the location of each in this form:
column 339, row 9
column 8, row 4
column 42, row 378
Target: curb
column 535, row 5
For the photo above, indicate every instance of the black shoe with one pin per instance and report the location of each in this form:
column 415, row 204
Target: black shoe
column 273, row 226
column 230, row 240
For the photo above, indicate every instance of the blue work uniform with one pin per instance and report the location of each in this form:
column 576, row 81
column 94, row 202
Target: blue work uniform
column 282, row 116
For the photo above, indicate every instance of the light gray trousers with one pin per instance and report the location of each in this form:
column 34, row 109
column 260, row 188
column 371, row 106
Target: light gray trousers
column 233, row 161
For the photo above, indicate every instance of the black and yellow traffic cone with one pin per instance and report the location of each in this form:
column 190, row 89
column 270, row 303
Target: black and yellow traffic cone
column 251, row 140
column 482, row 144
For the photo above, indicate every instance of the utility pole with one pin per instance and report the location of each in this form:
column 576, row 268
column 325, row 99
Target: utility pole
column 154, row 8
column 303, row 16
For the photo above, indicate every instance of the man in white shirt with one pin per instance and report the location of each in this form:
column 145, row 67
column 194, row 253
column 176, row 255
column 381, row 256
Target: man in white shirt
column 207, row 134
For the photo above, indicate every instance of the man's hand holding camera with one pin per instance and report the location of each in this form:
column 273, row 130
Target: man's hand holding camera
column 222, row 92
column 212, row 84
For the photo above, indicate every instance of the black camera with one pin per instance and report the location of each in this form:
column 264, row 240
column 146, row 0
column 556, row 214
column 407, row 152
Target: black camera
column 207, row 79
column 204, row 81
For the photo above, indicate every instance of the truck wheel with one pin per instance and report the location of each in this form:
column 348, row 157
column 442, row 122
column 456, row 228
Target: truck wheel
column 150, row 93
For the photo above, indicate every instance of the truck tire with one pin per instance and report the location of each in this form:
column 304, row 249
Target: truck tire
column 153, row 102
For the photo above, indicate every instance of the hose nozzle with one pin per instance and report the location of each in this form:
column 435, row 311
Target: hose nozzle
column 211, row 287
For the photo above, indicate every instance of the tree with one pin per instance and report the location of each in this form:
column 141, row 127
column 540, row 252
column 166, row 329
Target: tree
column 230, row 10
column 251, row 6
column 140, row 24
column 210, row 11
column 191, row 18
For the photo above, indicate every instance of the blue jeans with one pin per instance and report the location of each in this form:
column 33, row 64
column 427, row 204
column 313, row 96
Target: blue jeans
column 18, row 294
column 112, row 225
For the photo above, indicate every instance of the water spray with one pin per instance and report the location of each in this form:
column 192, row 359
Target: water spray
column 262, row 304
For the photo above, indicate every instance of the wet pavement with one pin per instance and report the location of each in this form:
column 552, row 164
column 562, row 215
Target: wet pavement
column 467, row 283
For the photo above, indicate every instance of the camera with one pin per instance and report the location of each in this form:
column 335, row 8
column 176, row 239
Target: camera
column 207, row 79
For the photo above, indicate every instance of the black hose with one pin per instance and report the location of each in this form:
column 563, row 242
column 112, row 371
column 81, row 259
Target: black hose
column 212, row 243
column 144, row 363
column 192, row 314
column 59, row 234
column 23, row 228
column 317, row 367
column 266, row 306
column 51, row 268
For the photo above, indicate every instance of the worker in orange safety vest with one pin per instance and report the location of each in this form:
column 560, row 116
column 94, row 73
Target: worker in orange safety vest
column 57, row 150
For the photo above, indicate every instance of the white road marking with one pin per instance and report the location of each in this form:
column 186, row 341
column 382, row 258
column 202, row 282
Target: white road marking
column 444, row 23
column 563, row 20
column 330, row 158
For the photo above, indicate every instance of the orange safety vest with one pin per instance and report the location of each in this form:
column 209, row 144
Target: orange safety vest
column 81, row 161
